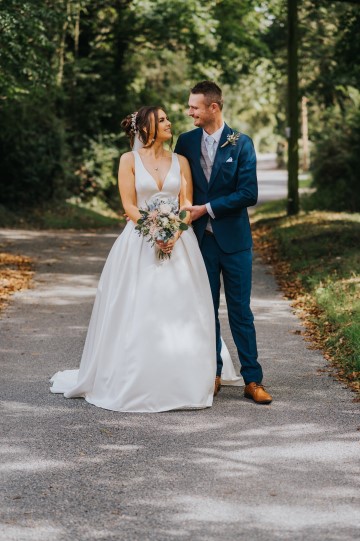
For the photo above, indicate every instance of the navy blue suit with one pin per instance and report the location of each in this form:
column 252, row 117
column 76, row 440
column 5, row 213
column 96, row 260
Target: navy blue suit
column 232, row 188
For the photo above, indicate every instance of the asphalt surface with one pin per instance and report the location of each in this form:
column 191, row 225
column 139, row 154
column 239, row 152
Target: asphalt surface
column 71, row 471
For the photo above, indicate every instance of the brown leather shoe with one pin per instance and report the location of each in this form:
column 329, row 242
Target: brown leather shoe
column 257, row 392
column 217, row 385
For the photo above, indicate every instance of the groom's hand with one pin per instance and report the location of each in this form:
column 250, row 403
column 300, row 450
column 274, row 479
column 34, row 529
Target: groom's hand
column 196, row 211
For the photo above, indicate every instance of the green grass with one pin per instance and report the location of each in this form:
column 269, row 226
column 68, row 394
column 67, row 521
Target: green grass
column 305, row 180
column 272, row 209
column 67, row 215
column 321, row 250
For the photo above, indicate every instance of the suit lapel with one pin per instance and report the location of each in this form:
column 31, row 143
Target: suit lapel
column 221, row 155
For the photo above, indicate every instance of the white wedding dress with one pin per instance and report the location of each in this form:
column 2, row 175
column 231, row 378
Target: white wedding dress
column 150, row 345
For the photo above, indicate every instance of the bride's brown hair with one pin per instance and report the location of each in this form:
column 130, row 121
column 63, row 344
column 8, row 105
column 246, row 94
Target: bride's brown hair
column 140, row 123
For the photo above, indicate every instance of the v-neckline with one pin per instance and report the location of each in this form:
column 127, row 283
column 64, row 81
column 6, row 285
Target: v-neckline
column 166, row 176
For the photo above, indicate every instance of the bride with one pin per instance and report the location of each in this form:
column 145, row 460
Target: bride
column 150, row 345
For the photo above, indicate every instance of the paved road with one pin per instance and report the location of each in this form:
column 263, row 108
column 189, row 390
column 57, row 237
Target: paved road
column 272, row 182
column 237, row 471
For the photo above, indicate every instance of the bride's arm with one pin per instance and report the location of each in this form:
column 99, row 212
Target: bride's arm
column 126, row 180
column 185, row 199
column 186, row 190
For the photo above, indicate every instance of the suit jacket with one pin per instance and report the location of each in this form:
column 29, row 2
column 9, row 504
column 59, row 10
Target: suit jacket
column 232, row 188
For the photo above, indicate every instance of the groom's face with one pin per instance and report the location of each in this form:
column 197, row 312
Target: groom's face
column 200, row 111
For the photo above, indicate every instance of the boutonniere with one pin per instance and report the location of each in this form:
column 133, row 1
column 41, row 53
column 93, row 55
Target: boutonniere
column 231, row 139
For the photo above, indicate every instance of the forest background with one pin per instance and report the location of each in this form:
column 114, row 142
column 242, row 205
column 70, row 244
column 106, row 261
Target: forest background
column 70, row 70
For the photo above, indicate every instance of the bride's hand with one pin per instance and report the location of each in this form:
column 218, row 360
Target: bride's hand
column 168, row 246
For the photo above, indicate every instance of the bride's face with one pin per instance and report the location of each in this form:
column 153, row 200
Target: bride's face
column 164, row 127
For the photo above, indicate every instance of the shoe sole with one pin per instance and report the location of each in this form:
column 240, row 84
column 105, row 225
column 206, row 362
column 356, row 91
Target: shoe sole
column 257, row 401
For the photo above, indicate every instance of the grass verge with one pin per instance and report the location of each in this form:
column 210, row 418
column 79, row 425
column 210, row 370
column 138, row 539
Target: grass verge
column 66, row 215
column 316, row 260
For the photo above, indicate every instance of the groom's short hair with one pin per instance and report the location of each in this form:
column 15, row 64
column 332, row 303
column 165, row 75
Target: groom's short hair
column 211, row 91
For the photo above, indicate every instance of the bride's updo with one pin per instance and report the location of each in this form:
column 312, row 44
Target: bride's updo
column 139, row 123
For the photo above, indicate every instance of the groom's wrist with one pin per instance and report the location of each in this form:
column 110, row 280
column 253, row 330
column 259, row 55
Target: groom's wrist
column 209, row 210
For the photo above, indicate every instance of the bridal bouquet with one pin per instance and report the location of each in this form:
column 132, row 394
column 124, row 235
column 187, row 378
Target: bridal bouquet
column 160, row 221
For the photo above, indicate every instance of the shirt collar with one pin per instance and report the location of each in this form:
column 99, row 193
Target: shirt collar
column 216, row 135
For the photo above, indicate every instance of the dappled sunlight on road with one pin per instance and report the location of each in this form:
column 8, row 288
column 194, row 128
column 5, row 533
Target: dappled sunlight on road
column 284, row 517
column 12, row 408
column 236, row 470
column 68, row 291
column 158, row 457
column 39, row 531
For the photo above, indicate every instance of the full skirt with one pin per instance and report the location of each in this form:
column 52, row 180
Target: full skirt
column 150, row 345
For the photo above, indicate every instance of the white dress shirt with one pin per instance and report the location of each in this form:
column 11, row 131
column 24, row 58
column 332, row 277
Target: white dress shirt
column 216, row 136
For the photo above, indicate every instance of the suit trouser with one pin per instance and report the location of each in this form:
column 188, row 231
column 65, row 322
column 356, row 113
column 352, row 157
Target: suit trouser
column 236, row 269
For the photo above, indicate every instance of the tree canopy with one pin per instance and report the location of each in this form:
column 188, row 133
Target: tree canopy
column 70, row 70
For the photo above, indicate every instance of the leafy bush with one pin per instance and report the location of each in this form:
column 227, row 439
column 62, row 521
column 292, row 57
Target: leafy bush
column 97, row 174
column 33, row 152
column 336, row 163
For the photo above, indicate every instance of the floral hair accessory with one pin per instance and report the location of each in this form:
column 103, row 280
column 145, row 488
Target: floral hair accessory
column 231, row 139
column 133, row 121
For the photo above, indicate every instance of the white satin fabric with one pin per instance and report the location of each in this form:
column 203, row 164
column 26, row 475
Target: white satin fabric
column 150, row 345
column 228, row 374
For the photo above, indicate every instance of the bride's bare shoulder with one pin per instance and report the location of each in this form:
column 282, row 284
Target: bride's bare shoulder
column 183, row 161
column 127, row 158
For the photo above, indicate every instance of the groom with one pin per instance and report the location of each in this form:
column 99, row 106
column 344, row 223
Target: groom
column 223, row 166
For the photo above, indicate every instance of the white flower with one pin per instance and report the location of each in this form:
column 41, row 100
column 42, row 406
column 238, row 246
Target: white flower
column 160, row 221
column 165, row 208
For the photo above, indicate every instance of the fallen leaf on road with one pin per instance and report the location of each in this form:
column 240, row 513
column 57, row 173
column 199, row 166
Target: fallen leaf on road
column 15, row 274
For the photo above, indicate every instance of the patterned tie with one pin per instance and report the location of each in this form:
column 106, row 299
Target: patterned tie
column 210, row 147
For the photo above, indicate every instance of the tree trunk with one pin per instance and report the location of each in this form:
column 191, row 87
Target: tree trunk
column 60, row 73
column 293, row 110
column 77, row 30
column 305, row 134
